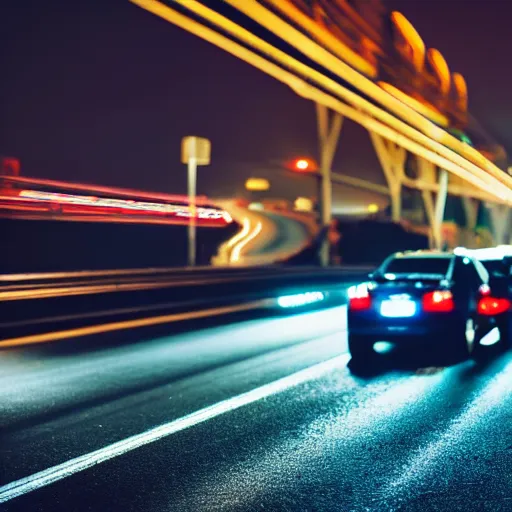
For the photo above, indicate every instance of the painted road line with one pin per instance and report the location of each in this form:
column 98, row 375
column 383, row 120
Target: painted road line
column 8, row 294
column 34, row 276
column 73, row 466
column 48, row 337
column 67, row 291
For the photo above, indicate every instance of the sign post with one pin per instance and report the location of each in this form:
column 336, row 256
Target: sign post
column 194, row 151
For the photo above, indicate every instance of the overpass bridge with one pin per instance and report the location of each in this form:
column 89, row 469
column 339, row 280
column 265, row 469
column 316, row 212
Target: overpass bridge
column 357, row 61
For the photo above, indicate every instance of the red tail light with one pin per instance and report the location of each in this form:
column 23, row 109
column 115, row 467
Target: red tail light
column 359, row 298
column 440, row 301
column 492, row 306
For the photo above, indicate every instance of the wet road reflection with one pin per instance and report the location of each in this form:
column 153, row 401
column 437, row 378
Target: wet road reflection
column 412, row 439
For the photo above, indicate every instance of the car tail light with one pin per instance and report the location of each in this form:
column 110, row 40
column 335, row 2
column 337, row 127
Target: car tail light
column 439, row 301
column 492, row 306
column 359, row 298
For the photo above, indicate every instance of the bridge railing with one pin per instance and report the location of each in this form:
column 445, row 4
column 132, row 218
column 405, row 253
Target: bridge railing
column 40, row 308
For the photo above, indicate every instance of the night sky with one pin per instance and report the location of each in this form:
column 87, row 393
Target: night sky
column 102, row 92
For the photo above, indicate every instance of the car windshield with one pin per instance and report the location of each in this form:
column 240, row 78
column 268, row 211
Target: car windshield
column 417, row 266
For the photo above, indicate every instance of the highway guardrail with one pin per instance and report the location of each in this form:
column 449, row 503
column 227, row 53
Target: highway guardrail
column 43, row 305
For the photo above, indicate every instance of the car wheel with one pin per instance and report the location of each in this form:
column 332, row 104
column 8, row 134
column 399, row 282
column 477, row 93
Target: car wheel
column 461, row 342
column 361, row 350
column 483, row 353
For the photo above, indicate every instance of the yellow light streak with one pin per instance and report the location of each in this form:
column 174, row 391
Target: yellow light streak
column 246, row 227
column 461, row 86
column 237, row 250
column 326, row 38
column 128, row 324
column 409, row 33
column 439, row 64
column 428, row 111
column 320, row 55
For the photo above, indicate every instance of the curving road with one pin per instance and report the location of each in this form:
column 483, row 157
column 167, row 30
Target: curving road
column 260, row 415
column 292, row 235
column 265, row 236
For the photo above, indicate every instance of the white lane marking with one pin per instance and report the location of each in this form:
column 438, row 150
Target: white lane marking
column 369, row 410
column 66, row 469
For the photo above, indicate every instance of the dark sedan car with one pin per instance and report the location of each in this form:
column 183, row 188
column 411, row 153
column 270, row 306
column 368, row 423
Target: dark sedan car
column 494, row 320
column 417, row 300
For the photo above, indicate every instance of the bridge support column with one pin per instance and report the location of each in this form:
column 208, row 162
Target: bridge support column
column 328, row 137
column 434, row 208
column 392, row 159
column 427, row 173
column 500, row 215
column 471, row 211
column 440, row 206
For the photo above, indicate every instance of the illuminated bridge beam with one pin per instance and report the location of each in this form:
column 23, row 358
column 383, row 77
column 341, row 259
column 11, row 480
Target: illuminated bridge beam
column 500, row 218
column 328, row 136
column 392, row 159
column 338, row 67
column 364, row 113
column 423, row 138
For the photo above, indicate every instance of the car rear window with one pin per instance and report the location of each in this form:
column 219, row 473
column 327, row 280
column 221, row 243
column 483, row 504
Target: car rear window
column 496, row 268
column 436, row 266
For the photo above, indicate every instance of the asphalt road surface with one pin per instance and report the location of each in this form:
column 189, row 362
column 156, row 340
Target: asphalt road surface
column 261, row 415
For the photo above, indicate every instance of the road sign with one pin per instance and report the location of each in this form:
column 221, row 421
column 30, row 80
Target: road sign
column 196, row 148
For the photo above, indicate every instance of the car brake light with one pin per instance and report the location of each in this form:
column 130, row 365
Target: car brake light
column 439, row 301
column 492, row 306
column 359, row 298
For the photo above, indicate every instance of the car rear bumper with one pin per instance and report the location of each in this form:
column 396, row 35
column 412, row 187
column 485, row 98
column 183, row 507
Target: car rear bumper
column 437, row 330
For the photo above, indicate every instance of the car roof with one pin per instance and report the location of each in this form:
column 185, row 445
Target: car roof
column 488, row 253
column 424, row 254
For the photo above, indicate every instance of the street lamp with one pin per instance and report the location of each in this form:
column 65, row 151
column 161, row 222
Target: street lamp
column 257, row 185
column 302, row 164
column 303, row 204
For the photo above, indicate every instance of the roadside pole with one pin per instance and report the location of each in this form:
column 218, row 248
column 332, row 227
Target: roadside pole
column 194, row 151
